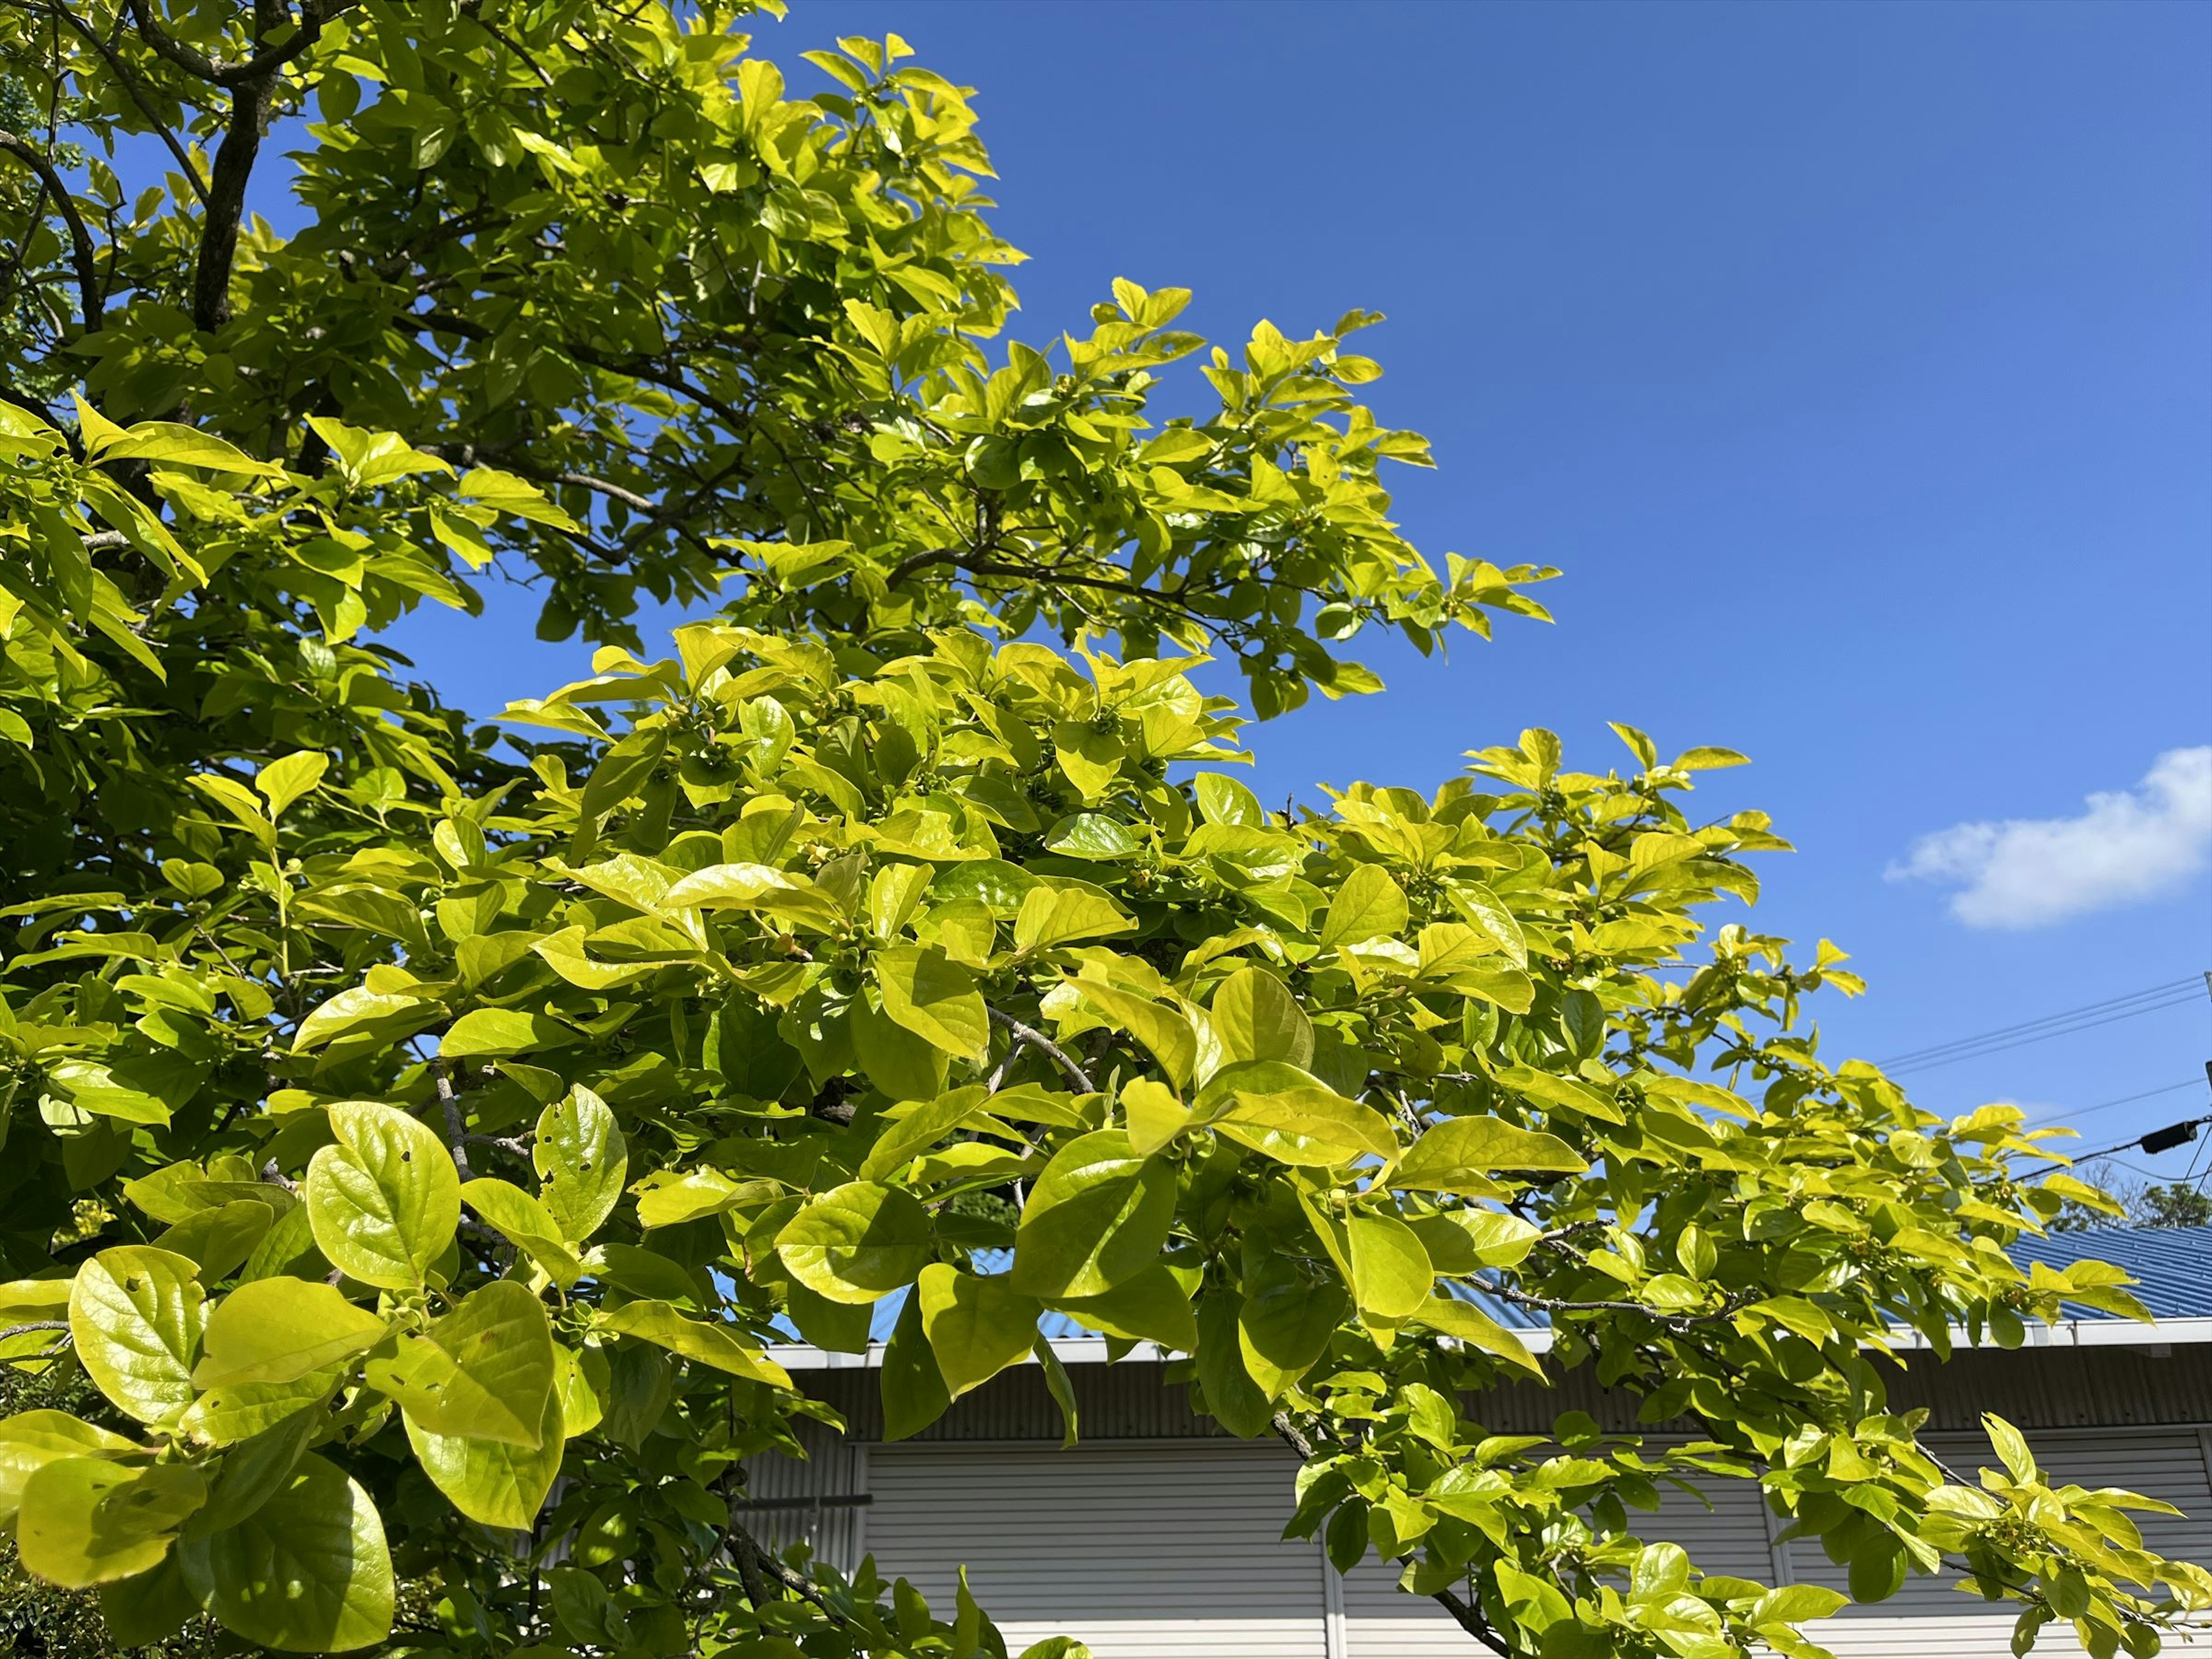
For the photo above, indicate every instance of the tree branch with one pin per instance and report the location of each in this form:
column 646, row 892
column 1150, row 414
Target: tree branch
column 1045, row 1045
column 91, row 297
column 35, row 1325
column 222, row 71
column 799, row 1584
column 1467, row 1617
column 137, row 95
column 456, row 1128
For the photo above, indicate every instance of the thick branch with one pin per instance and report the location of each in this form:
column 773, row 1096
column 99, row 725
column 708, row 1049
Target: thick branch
column 1045, row 1045
column 252, row 86
column 221, row 70
column 456, row 1127
column 91, row 298
column 751, row 1548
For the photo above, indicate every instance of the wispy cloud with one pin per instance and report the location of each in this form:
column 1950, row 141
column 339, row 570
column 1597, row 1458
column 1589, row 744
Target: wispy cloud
column 2123, row 847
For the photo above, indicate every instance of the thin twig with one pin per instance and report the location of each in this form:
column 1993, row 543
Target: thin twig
column 455, row 1126
column 35, row 1325
column 91, row 296
column 1045, row 1045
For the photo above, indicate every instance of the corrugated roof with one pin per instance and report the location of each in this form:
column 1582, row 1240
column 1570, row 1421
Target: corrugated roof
column 2174, row 1264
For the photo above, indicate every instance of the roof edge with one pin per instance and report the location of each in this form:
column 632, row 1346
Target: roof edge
column 2065, row 1334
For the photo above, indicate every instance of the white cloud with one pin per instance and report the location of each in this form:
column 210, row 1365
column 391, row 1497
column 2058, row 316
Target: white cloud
column 2125, row 846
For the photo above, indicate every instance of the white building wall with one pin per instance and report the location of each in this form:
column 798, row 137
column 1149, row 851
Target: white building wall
column 1171, row 1549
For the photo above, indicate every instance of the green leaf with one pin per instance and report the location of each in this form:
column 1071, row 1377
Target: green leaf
column 1793, row 1604
column 283, row 781
column 1369, row 905
column 1444, row 1158
column 134, row 1315
column 502, row 1033
column 1164, row 1030
column 385, row 1201
column 2011, row 1446
column 977, row 1325
column 238, row 1411
column 277, row 1330
column 1098, row 1214
column 88, row 1520
column 1236, row 1400
column 352, row 1010
column 671, row 1198
column 663, row 1325
column 1150, row 1306
column 729, row 886
column 484, row 1371
column 836, row 1327
column 857, row 1241
column 167, row 443
column 1060, row 915
column 148, row 1608
column 901, row 1063
column 1391, row 1273
column 526, row 1223
column 1093, row 836
column 1470, row 1325
column 582, row 1160
column 307, row 1572
column 1283, row 1328
column 494, row 1482
column 918, row 1130
column 581, row 1380
column 1225, row 800
column 1153, row 1114
column 913, row 1391
column 1255, row 1017
column 935, row 998
column 251, row 1473
column 220, row 1238
column 1274, row 1107
column 1877, row 1568
column 30, row 1440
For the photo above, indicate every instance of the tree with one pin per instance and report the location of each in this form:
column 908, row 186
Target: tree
column 418, row 1139
column 2136, row 1203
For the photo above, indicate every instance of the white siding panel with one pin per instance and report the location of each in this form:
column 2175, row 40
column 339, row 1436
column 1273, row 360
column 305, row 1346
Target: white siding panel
column 1171, row 1550
column 1152, row 1550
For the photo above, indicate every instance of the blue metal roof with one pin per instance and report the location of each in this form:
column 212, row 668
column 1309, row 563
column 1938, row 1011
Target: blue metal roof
column 2173, row 1264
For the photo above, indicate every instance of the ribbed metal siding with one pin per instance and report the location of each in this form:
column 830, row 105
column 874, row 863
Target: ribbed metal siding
column 821, row 1499
column 2034, row 1388
column 1143, row 1550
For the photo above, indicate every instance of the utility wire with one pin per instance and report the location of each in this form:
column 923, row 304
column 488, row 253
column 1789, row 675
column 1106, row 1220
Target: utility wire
column 2042, row 1036
column 2107, row 1105
column 2154, row 1142
column 2166, row 989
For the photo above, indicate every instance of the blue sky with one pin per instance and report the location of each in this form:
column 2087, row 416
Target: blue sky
column 1852, row 362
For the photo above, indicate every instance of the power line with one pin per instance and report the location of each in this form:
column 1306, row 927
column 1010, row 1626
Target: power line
column 1930, row 1053
column 2155, row 1141
column 1978, row 1049
column 2182, row 1133
column 2107, row 1105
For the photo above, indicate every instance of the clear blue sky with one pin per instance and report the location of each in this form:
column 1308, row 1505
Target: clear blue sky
column 1854, row 362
